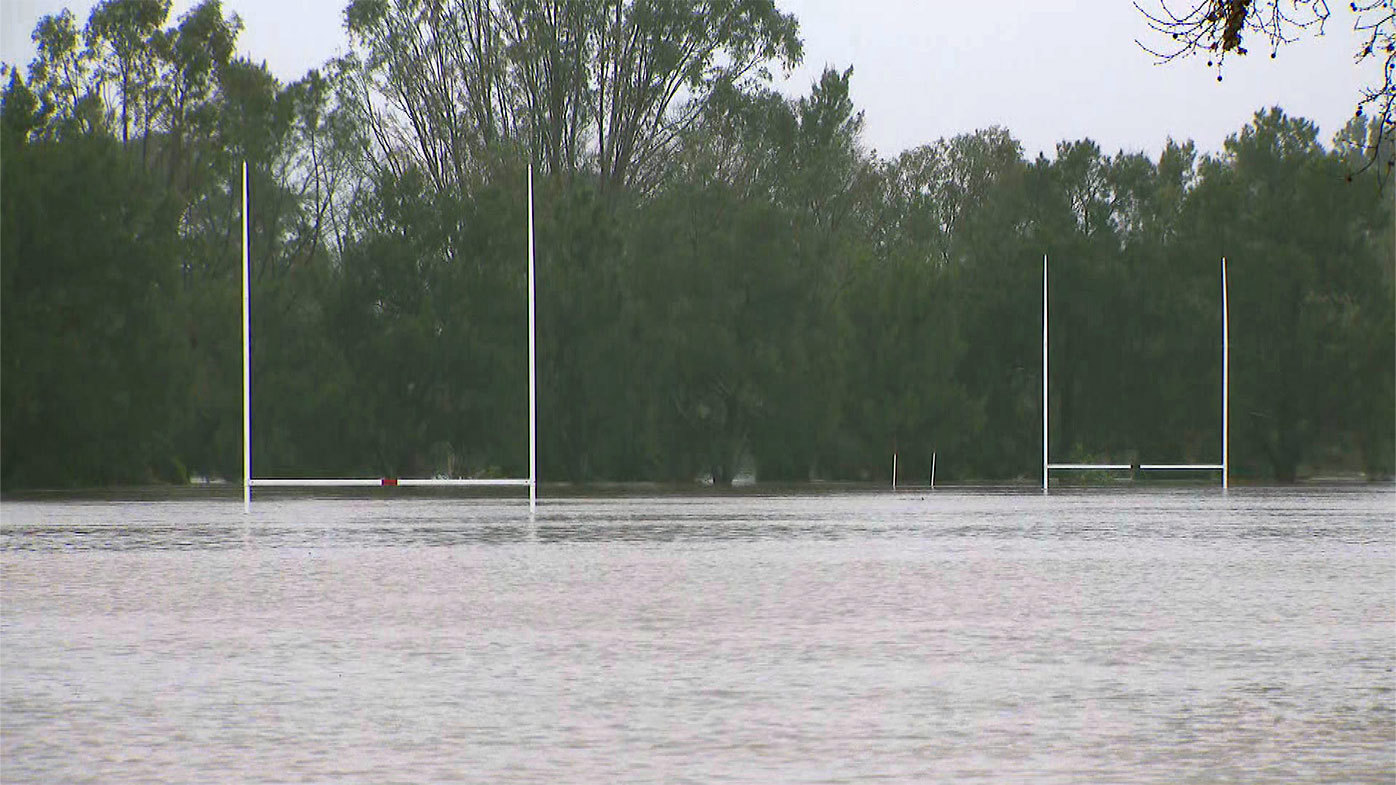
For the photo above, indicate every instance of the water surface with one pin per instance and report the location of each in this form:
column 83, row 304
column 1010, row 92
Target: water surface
column 1131, row 636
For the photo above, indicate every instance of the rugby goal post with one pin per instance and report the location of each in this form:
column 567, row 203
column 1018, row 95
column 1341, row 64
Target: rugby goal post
column 1223, row 467
column 248, row 481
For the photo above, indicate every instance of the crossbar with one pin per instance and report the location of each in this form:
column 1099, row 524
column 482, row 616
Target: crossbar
column 364, row 482
column 1147, row 467
column 1141, row 467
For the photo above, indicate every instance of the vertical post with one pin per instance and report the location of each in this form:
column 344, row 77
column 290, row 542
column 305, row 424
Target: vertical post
column 933, row 470
column 532, row 363
column 894, row 471
column 246, row 360
column 1226, row 383
column 1044, row 373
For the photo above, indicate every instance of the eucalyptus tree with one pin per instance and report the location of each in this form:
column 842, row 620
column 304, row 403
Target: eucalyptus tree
column 722, row 297
column 158, row 89
column 199, row 50
column 126, row 44
column 583, row 85
column 956, row 219
column 1310, row 267
column 180, row 108
column 93, row 366
column 59, row 76
column 804, row 157
column 1163, row 315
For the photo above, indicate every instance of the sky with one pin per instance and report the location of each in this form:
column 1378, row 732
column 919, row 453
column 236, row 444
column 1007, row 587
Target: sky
column 1048, row 70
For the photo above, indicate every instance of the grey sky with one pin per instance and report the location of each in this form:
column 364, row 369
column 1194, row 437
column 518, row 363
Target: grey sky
column 1048, row 70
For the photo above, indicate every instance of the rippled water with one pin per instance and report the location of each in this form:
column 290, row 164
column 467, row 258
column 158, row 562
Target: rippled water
column 1136, row 636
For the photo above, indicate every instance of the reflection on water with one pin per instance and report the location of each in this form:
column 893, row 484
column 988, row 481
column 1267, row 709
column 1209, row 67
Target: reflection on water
column 1178, row 635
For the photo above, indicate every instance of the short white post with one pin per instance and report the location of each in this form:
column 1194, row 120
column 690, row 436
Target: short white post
column 246, row 361
column 532, row 364
column 933, row 470
column 1044, row 373
column 894, row 471
column 1226, row 384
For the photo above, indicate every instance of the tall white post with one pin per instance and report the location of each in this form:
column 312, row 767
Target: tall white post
column 894, row 471
column 246, row 360
column 532, row 364
column 1226, row 383
column 933, row 470
column 1044, row 373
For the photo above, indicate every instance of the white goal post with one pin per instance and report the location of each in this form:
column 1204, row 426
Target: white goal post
column 531, row 481
column 1223, row 467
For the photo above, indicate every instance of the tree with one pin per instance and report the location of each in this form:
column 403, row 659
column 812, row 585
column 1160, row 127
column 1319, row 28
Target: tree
column 1310, row 288
column 93, row 369
column 961, row 206
column 600, row 85
column 21, row 110
column 723, row 305
column 1216, row 28
column 127, row 45
column 59, row 75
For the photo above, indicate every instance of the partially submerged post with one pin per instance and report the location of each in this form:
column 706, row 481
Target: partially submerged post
column 1226, row 383
column 246, row 360
column 532, row 364
column 1044, row 373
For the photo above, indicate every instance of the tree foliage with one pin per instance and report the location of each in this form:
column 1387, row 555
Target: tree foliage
column 729, row 282
column 1216, row 28
column 599, row 85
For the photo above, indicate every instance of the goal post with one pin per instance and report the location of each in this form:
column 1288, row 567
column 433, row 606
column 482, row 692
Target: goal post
column 246, row 358
column 249, row 482
column 1223, row 467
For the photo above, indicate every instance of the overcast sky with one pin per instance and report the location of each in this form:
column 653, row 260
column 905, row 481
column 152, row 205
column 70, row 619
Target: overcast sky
column 1048, row 70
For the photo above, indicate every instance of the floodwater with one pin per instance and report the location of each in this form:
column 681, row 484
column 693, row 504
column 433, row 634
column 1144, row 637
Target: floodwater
column 1091, row 636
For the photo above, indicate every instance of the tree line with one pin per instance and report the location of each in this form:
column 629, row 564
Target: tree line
column 728, row 280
